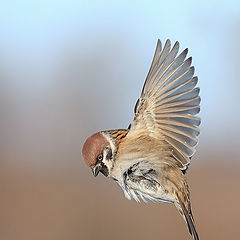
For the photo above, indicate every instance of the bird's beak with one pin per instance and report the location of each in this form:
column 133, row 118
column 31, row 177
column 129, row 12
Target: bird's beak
column 96, row 169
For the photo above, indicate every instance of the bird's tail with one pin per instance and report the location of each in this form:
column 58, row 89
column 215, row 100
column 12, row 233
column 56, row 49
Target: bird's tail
column 186, row 212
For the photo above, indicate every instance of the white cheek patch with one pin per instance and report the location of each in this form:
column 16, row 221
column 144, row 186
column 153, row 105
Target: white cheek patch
column 107, row 162
column 111, row 142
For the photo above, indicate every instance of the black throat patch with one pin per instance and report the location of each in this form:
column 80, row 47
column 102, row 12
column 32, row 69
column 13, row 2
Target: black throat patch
column 104, row 170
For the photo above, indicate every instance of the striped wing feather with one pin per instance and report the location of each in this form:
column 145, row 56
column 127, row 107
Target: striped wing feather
column 169, row 102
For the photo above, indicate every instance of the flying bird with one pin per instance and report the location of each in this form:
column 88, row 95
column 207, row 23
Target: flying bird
column 149, row 160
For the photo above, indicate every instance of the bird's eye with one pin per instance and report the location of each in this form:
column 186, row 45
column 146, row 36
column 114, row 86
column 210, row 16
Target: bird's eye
column 100, row 157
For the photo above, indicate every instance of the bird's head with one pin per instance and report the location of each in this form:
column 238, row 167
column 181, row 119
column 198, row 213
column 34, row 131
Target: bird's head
column 98, row 152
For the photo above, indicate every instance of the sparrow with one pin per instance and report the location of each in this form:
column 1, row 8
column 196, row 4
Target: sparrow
column 149, row 160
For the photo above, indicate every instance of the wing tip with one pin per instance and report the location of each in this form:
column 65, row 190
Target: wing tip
column 197, row 89
column 190, row 59
column 176, row 44
column 176, row 47
column 167, row 44
column 192, row 69
column 185, row 51
column 168, row 41
column 159, row 45
column 195, row 78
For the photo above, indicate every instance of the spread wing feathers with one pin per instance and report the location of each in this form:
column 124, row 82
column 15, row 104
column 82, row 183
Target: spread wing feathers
column 169, row 102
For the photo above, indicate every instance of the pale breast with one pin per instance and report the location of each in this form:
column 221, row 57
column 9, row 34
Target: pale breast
column 137, row 168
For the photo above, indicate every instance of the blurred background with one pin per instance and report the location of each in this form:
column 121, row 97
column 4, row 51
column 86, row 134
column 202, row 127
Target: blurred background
column 71, row 68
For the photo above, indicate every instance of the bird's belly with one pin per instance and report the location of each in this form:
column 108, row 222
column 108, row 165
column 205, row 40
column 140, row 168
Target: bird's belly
column 145, row 189
column 149, row 191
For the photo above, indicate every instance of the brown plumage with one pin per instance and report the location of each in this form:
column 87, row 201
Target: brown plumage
column 93, row 147
column 150, row 158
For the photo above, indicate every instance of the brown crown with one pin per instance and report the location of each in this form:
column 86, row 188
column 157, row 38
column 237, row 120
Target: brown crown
column 92, row 147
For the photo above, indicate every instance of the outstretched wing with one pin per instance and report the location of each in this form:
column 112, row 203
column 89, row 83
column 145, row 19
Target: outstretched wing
column 169, row 102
